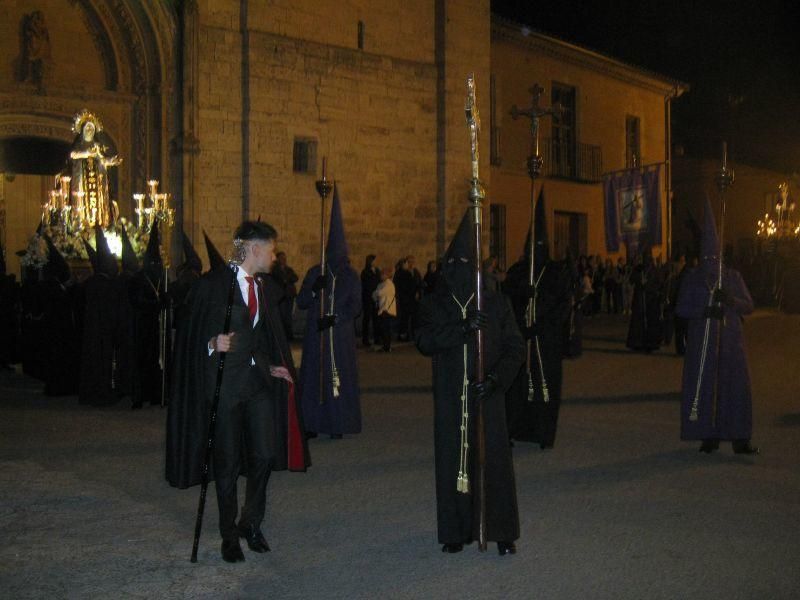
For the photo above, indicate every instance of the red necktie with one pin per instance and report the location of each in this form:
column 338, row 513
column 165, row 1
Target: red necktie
column 252, row 303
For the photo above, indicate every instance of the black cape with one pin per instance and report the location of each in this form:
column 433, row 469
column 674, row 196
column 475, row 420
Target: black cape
column 194, row 376
column 646, row 329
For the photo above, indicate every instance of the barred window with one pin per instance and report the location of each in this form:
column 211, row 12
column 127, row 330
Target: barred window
column 304, row 155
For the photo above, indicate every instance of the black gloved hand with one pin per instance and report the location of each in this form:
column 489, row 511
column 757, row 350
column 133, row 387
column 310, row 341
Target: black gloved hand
column 476, row 319
column 319, row 284
column 326, row 322
column 720, row 296
column 484, row 390
column 530, row 332
column 713, row 312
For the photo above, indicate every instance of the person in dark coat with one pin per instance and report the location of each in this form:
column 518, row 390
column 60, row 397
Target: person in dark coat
column 645, row 331
column 573, row 328
column 406, row 289
column 9, row 315
column 445, row 331
column 62, row 349
column 259, row 426
column 100, row 316
column 370, row 278
column 336, row 409
column 286, row 279
column 716, row 403
column 535, row 419
column 148, row 299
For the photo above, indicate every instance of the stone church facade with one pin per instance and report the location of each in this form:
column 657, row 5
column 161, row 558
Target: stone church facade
column 232, row 105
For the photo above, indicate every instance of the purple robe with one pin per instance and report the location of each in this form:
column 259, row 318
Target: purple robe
column 342, row 414
column 729, row 375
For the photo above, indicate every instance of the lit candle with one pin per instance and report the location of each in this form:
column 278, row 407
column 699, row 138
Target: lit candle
column 153, row 183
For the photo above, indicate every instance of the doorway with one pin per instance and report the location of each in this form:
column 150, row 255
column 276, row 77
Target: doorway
column 570, row 232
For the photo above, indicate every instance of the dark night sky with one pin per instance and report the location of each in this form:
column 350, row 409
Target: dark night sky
column 741, row 59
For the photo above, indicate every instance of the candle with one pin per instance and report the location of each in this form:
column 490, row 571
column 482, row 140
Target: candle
column 153, row 183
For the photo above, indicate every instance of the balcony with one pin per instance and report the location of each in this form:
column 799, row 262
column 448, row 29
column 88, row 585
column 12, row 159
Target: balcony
column 576, row 162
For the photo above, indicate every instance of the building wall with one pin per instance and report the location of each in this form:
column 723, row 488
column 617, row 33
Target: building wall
column 605, row 95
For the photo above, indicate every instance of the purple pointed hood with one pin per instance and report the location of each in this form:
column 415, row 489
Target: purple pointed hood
column 336, row 251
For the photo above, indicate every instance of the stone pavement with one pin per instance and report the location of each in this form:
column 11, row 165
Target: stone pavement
column 621, row 508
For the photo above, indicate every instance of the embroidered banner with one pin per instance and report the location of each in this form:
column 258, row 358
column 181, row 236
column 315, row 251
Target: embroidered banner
column 633, row 209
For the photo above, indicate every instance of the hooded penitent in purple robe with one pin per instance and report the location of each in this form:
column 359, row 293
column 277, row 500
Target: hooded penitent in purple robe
column 339, row 412
column 715, row 368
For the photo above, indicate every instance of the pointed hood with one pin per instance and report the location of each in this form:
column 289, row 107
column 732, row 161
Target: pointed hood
column 192, row 259
column 106, row 261
column 709, row 244
column 92, row 255
column 130, row 264
column 215, row 259
column 56, row 267
column 336, row 251
column 458, row 263
column 152, row 255
column 541, row 252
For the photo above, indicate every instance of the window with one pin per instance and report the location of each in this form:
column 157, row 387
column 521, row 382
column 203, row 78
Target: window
column 497, row 233
column 570, row 233
column 633, row 150
column 304, row 156
column 361, row 35
column 563, row 151
column 494, row 129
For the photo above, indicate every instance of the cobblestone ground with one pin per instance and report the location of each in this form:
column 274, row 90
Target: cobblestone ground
column 621, row 508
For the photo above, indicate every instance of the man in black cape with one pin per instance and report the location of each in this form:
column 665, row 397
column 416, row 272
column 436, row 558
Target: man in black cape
column 100, row 315
column 259, row 426
column 646, row 330
column 148, row 298
column 445, row 330
column 535, row 419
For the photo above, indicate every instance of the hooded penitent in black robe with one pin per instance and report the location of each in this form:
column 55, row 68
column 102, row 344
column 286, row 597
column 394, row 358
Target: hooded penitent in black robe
column 62, row 349
column 440, row 334
column 125, row 342
column 715, row 370
column 9, row 315
column 148, row 299
column 535, row 419
column 187, row 275
column 100, row 317
column 194, row 378
column 340, row 410
column 646, row 329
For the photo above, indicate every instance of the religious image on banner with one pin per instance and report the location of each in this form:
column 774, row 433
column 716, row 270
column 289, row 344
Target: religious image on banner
column 633, row 209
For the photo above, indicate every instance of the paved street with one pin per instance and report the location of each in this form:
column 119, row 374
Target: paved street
column 621, row 508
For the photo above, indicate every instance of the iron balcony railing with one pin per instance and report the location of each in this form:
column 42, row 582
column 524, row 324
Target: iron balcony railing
column 577, row 162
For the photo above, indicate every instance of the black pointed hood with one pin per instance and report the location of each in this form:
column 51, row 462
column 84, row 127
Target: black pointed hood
column 130, row 263
column 458, row 263
column 152, row 255
column 541, row 252
column 56, row 267
column 215, row 259
column 192, row 259
column 106, row 261
column 92, row 254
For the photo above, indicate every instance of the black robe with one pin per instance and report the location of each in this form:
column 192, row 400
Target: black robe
column 646, row 329
column 194, row 377
column 100, row 316
column 33, row 332
column 144, row 298
column 63, row 349
column 9, row 320
column 124, row 337
column 438, row 334
column 536, row 420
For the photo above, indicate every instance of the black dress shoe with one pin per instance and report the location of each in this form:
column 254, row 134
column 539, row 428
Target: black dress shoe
column 504, row 548
column 452, row 548
column 744, row 447
column 232, row 551
column 254, row 538
column 709, row 446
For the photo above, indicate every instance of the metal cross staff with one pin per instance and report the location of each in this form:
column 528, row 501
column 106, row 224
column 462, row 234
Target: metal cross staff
column 534, row 113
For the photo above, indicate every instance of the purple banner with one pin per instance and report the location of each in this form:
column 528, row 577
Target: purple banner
column 633, row 209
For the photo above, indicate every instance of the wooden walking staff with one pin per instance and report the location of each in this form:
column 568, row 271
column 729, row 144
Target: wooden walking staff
column 534, row 113
column 724, row 180
column 476, row 196
column 324, row 187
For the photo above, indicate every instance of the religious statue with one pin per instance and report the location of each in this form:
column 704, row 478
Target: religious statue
column 35, row 49
column 90, row 157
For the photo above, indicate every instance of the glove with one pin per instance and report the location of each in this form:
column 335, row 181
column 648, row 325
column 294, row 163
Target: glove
column 476, row 319
column 484, row 390
column 326, row 322
column 713, row 312
column 530, row 332
column 720, row 296
column 319, row 284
